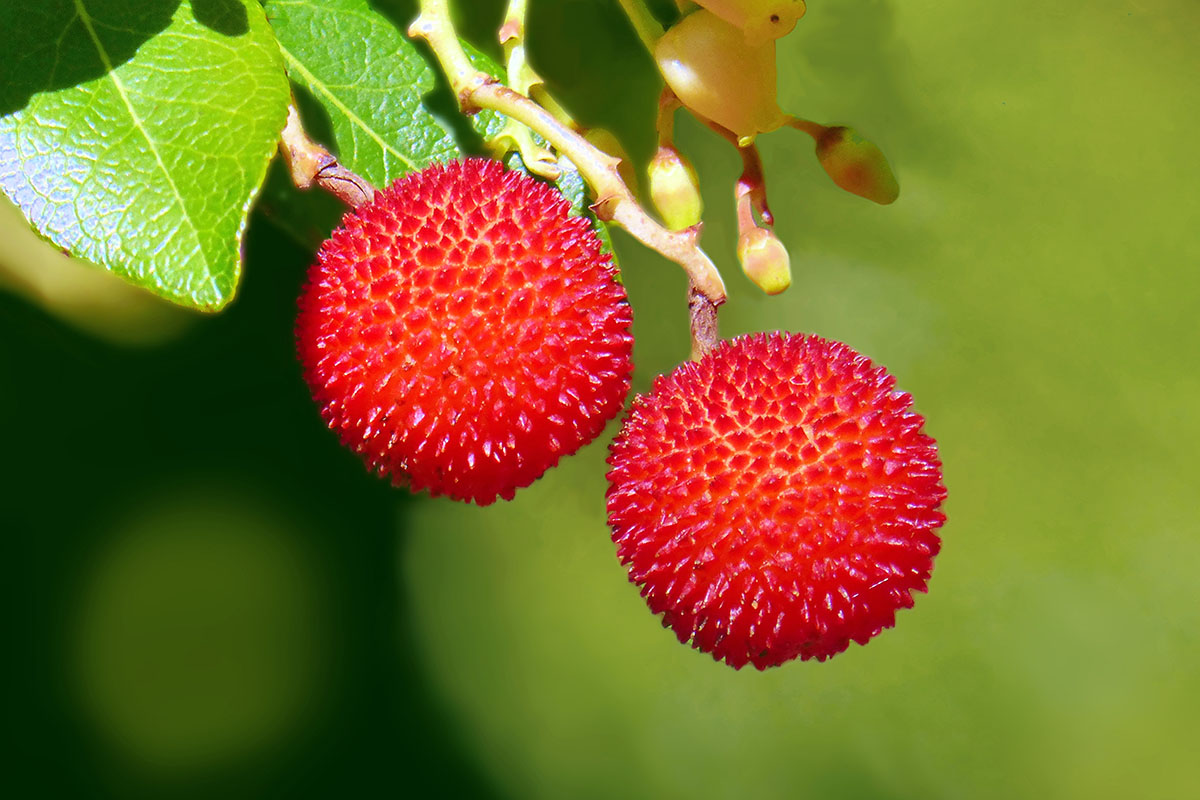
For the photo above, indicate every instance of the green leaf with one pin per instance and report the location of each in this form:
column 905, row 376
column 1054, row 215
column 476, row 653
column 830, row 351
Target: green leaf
column 373, row 82
column 370, row 79
column 136, row 136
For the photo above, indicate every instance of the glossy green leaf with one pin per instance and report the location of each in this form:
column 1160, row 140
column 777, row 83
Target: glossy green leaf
column 369, row 78
column 136, row 136
column 374, row 83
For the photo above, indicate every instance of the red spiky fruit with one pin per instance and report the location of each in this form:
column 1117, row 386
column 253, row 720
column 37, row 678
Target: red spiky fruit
column 462, row 332
column 776, row 499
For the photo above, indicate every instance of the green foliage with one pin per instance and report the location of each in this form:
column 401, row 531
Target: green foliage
column 369, row 78
column 137, row 137
column 376, row 87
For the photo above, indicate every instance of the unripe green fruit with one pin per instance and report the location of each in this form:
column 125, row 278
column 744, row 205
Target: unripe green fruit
column 760, row 20
column 765, row 260
column 856, row 165
column 720, row 76
column 674, row 189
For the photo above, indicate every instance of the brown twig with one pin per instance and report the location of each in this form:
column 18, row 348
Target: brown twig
column 309, row 163
column 702, row 314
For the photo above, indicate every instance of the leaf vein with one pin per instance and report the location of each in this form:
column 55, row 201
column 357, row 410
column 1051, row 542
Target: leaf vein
column 320, row 86
column 86, row 19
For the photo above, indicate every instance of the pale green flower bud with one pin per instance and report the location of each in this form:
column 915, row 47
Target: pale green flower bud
column 765, row 260
column 856, row 165
column 674, row 189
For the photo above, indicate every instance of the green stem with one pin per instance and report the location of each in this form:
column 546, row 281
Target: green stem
column 664, row 122
column 515, row 18
column 813, row 129
column 522, row 79
column 521, row 76
column 753, row 183
column 512, row 37
column 644, row 23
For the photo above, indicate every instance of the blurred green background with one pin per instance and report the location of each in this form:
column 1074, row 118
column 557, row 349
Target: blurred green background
column 211, row 598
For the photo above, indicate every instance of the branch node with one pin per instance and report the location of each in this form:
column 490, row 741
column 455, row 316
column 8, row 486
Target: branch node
column 605, row 207
column 511, row 29
column 309, row 163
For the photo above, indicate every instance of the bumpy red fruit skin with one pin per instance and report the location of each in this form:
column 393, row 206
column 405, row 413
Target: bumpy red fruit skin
column 776, row 499
column 461, row 332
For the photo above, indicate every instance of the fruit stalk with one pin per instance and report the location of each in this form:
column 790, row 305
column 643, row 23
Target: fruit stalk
column 703, row 316
column 674, row 186
column 763, row 257
column 615, row 202
column 309, row 163
column 522, row 79
column 752, row 184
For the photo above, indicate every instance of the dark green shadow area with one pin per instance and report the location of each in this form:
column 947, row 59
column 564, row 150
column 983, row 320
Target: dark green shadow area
column 305, row 215
column 441, row 102
column 97, row 436
column 48, row 45
column 223, row 16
